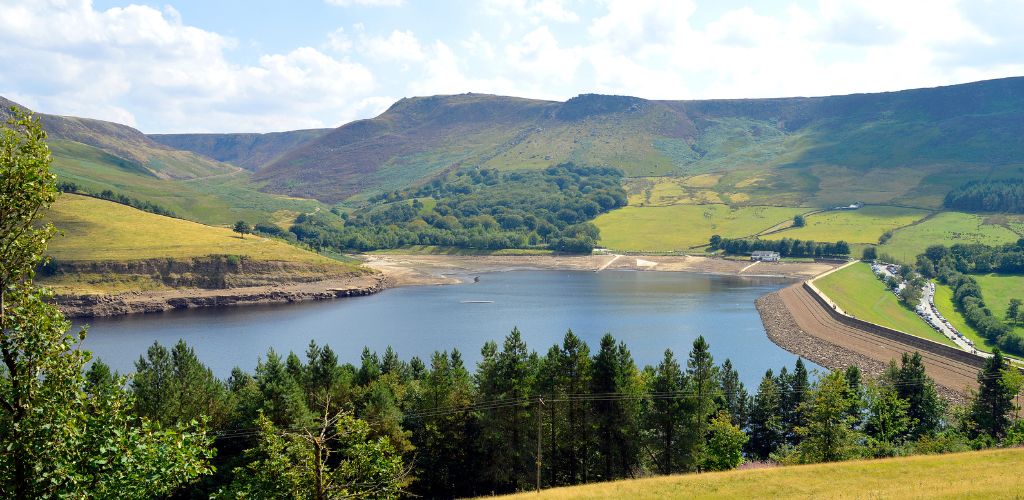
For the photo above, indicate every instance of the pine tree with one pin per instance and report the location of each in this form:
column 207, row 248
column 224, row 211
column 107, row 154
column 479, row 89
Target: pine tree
column 702, row 396
column 575, row 378
column 912, row 384
column 665, row 417
column 990, row 410
column 796, row 395
column 616, row 421
column 765, row 425
column 734, row 395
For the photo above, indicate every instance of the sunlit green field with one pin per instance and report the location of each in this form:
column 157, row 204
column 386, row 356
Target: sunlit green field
column 865, row 225
column 98, row 230
column 949, row 228
column 861, row 294
column 682, row 227
column 979, row 474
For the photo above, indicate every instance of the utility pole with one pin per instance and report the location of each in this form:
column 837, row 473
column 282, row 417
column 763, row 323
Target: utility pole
column 540, row 404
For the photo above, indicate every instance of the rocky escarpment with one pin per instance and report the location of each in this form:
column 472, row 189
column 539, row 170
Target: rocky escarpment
column 209, row 272
column 783, row 330
column 79, row 306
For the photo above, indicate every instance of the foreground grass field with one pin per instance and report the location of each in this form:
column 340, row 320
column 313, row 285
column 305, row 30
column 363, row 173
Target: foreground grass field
column 681, row 227
column 980, row 474
column 98, row 230
column 853, row 226
column 950, row 228
column 860, row 293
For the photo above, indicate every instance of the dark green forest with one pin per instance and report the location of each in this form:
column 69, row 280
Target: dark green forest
column 479, row 209
column 994, row 195
column 445, row 430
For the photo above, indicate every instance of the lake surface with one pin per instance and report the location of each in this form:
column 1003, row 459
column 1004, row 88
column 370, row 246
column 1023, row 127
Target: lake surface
column 650, row 311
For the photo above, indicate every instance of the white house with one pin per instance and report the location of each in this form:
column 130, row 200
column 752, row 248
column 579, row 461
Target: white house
column 765, row 256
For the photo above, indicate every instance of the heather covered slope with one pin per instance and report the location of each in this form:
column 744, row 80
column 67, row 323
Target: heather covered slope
column 908, row 147
column 249, row 151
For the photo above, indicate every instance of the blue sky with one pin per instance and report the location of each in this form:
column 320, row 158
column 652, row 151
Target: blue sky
column 258, row 66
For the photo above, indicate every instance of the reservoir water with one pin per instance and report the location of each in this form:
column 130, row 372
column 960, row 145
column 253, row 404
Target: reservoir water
column 650, row 311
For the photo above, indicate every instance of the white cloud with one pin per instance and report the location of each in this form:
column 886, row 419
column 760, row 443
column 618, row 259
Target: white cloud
column 398, row 46
column 367, row 3
column 534, row 11
column 144, row 67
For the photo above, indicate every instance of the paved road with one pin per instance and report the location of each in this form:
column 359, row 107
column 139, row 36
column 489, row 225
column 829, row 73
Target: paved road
column 813, row 319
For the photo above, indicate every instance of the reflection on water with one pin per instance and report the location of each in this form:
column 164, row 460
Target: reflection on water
column 650, row 311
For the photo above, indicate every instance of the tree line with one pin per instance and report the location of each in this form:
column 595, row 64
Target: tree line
column 992, row 195
column 950, row 265
column 477, row 208
column 786, row 247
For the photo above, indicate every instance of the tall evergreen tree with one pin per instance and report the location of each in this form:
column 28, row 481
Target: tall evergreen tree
column 765, row 424
column 913, row 385
column 576, row 446
column 798, row 392
column 734, row 396
column 666, row 414
column 703, row 392
column 616, row 419
column 508, row 431
column 990, row 409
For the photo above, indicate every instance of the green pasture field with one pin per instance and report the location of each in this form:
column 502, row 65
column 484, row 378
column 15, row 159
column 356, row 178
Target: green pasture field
column 947, row 228
column 865, row 225
column 976, row 474
column 682, row 227
column 861, row 294
column 99, row 230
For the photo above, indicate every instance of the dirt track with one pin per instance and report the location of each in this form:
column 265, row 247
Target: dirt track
column 813, row 320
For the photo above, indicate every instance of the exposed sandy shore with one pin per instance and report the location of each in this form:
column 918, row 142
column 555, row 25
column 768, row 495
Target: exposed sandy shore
column 446, row 269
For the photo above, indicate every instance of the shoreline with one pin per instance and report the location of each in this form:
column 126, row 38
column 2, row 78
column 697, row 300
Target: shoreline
column 451, row 269
column 412, row 270
column 107, row 305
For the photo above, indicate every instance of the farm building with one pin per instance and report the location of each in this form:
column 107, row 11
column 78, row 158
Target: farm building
column 765, row 256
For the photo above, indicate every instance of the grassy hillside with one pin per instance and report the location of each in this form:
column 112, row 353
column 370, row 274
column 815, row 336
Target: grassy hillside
column 949, row 228
column 111, row 248
column 681, row 227
column 249, row 151
column 904, row 148
column 861, row 294
column 865, row 225
column 131, row 147
column 98, row 230
column 980, row 474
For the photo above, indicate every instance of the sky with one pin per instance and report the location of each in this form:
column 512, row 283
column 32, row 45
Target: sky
column 261, row 66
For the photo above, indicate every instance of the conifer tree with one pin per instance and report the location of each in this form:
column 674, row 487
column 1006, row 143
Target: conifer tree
column 990, row 410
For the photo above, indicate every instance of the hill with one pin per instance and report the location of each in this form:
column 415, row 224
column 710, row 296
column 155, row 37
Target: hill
column 906, row 148
column 980, row 474
column 97, row 156
column 106, row 246
column 132, row 148
column 249, row 151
